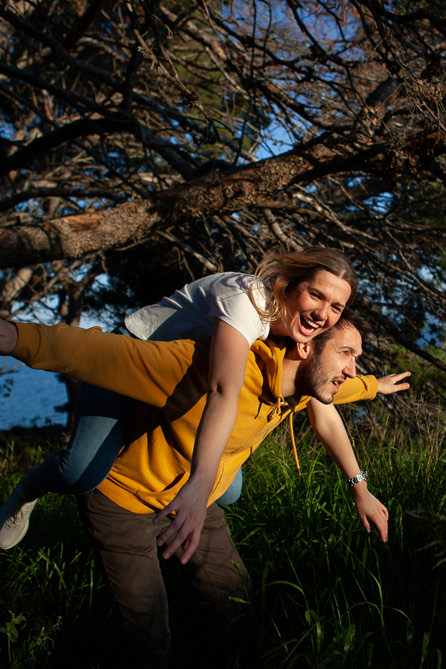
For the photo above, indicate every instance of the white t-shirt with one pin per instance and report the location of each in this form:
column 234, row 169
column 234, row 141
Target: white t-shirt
column 192, row 311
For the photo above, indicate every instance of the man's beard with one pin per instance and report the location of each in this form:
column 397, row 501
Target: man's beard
column 312, row 381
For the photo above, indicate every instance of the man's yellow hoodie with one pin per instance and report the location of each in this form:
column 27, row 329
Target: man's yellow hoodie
column 170, row 379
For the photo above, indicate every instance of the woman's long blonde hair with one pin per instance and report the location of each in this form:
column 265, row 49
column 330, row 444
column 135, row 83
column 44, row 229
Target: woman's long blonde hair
column 279, row 273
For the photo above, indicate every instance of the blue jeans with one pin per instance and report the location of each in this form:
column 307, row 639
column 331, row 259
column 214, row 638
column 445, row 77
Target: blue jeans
column 234, row 491
column 98, row 434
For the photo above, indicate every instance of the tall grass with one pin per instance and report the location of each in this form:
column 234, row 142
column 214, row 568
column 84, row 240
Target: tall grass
column 326, row 594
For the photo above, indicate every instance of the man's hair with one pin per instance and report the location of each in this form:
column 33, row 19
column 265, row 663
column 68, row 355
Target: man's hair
column 349, row 318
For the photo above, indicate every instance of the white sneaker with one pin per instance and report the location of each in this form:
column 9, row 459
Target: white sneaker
column 14, row 519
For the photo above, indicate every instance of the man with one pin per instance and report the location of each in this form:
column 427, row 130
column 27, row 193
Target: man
column 171, row 379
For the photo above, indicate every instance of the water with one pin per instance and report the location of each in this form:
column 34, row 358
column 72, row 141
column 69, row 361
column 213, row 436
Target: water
column 29, row 397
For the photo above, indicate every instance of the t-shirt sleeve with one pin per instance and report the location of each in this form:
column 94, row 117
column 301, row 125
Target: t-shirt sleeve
column 238, row 311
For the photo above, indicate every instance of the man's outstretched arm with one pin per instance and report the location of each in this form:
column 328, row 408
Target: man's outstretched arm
column 128, row 366
column 329, row 427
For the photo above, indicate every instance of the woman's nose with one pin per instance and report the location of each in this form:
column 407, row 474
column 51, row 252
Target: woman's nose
column 321, row 312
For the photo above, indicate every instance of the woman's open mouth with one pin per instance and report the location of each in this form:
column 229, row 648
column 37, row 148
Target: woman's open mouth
column 308, row 327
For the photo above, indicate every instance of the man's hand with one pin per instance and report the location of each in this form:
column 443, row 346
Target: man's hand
column 370, row 509
column 8, row 337
column 391, row 384
column 185, row 530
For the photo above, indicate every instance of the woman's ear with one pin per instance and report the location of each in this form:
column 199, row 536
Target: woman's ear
column 304, row 349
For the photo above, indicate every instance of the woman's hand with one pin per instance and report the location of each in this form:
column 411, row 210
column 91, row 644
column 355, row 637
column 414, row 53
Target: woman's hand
column 185, row 529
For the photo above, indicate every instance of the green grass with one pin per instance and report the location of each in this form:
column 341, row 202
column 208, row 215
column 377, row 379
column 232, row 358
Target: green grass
column 326, row 594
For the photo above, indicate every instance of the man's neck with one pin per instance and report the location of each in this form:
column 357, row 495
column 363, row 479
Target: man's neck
column 289, row 385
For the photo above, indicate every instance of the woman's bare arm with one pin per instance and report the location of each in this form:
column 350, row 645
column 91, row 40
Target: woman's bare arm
column 227, row 366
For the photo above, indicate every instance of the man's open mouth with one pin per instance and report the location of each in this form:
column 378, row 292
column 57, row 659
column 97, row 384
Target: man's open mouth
column 337, row 383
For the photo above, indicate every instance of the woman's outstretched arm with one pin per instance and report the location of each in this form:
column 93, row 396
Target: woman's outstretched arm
column 227, row 366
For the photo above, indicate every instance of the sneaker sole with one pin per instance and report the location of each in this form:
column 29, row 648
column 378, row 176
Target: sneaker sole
column 18, row 540
column 20, row 537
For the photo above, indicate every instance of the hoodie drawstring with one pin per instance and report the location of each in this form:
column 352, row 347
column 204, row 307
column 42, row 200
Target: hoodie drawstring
column 293, row 442
column 276, row 409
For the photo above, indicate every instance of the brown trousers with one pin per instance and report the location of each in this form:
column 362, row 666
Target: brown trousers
column 126, row 543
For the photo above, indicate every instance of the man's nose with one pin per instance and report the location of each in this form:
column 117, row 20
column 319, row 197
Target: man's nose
column 350, row 368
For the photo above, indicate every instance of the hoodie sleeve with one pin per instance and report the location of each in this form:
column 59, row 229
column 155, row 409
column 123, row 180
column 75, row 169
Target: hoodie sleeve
column 148, row 371
column 359, row 388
